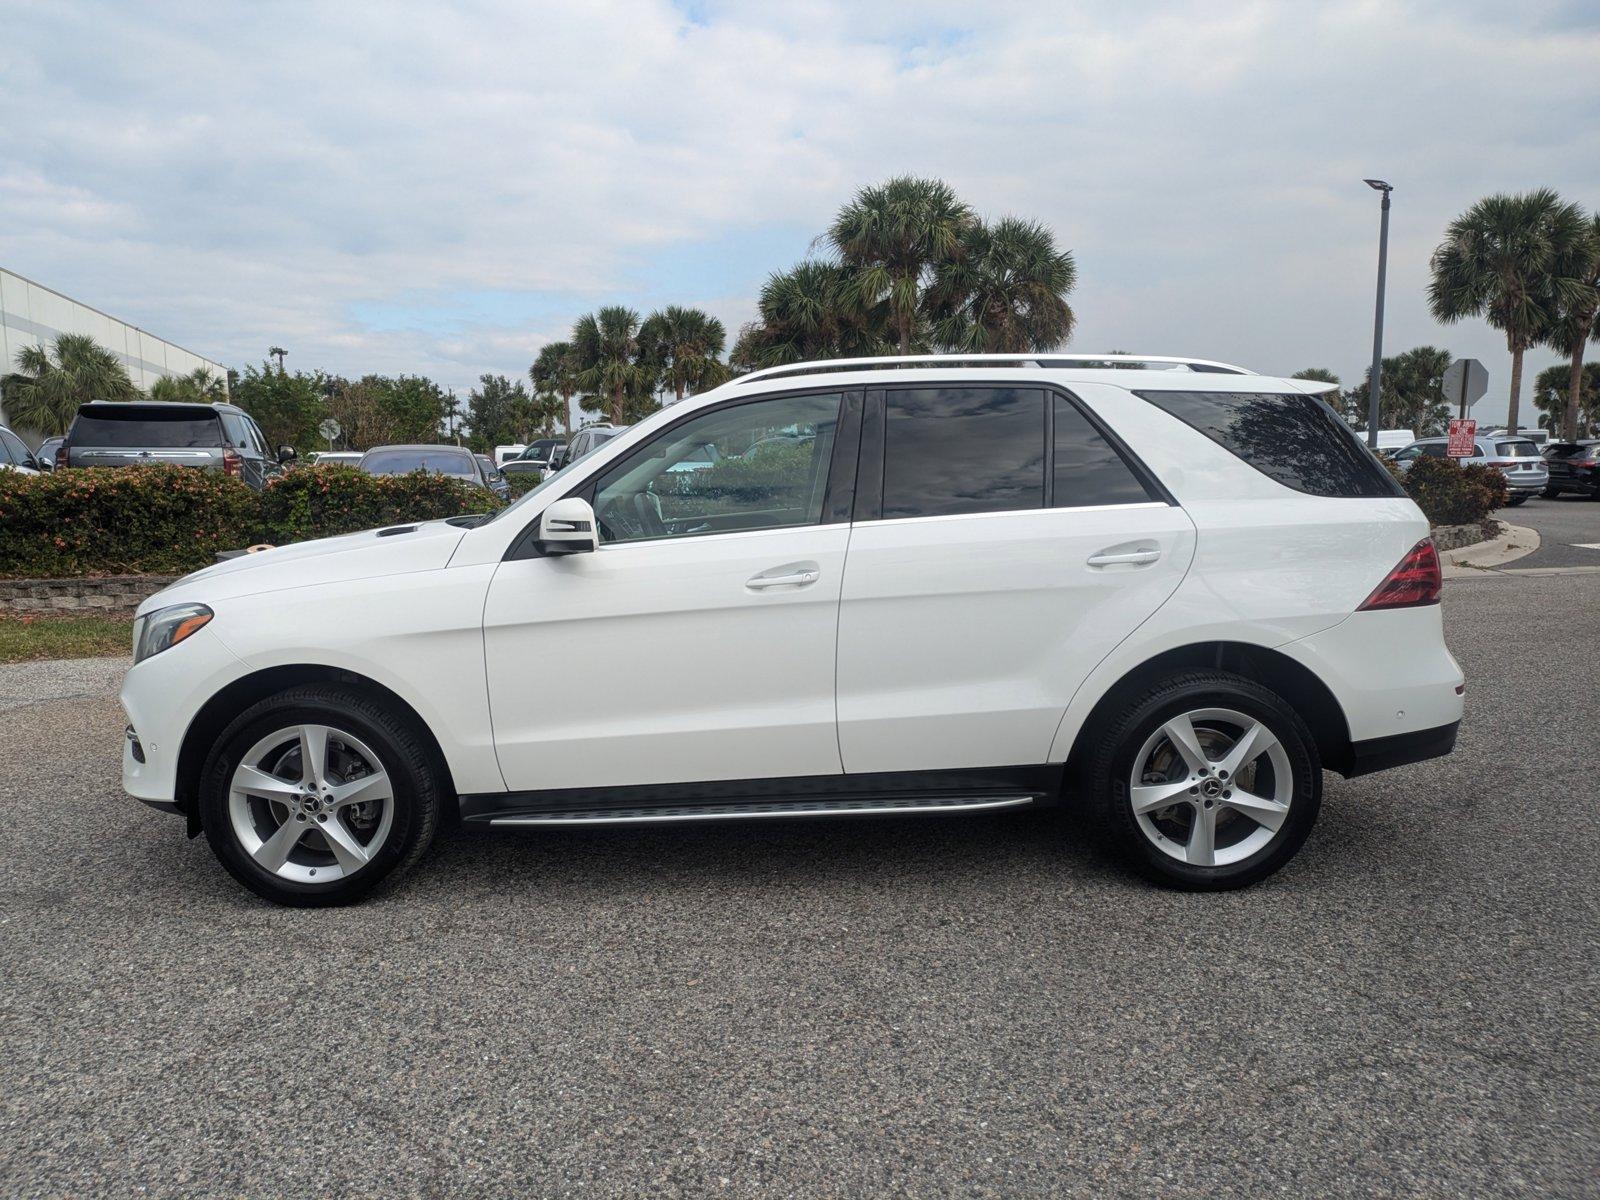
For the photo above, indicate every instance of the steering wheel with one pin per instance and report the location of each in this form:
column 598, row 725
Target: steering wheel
column 647, row 512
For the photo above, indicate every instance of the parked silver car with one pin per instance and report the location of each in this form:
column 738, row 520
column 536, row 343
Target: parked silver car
column 142, row 433
column 1517, row 458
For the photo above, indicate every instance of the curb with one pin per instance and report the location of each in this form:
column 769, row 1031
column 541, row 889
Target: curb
column 1514, row 542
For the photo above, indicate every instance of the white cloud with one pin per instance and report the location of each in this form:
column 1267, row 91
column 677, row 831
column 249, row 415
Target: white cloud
column 234, row 176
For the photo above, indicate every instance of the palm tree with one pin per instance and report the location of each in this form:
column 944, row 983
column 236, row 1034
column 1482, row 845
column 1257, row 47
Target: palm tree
column 1006, row 293
column 201, row 385
column 277, row 352
column 806, row 313
column 555, row 373
column 606, row 346
column 1317, row 375
column 893, row 237
column 49, row 385
column 1575, row 318
column 1501, row 260
column 686, row 343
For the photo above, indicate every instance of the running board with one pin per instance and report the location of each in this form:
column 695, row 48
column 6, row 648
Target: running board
column 746, row 812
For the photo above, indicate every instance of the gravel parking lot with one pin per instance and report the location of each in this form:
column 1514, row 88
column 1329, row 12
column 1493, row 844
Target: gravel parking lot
column 975, row 1006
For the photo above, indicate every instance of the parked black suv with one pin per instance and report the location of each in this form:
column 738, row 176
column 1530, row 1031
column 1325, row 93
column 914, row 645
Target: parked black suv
column 1574, row 467
column 214, row 437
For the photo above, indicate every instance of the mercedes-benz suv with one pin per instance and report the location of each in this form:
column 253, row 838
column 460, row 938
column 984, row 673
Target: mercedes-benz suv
column 1174, row 595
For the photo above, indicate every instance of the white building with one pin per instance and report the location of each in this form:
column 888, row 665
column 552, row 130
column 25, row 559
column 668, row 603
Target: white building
column 31, row 315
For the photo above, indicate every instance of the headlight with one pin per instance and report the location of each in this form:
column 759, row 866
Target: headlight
column 166, row 627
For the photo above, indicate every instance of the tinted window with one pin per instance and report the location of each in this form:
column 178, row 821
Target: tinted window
column 136, row 426
column 1088, row 469
column 233, row 426
column 13, row 449
column 963, row 450
column 404, row 461
column 1295, row 439
column 1516, row 449
column 1435, row 449
column 693, row 479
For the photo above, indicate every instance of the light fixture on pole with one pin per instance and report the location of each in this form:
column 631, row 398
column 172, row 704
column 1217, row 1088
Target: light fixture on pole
column 1375, row 376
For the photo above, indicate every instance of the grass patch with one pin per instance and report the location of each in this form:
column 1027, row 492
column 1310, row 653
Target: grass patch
column 28, row 636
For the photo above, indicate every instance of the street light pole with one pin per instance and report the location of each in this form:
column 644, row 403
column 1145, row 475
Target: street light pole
column 1375, row 376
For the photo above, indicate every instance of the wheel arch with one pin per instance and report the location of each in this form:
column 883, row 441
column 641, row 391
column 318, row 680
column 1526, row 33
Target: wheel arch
column 1296, row 683
column 216, row 713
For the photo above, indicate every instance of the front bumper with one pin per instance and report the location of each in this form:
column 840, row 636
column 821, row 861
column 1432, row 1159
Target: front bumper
column 161, row 696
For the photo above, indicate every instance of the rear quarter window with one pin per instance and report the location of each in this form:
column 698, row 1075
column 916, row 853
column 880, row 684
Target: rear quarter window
column 1294, row 439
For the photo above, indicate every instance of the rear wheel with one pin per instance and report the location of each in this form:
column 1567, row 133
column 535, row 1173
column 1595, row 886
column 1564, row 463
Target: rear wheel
column 1517, row 499
column 317, row 795
column 1207, row 781
column 1550, row 493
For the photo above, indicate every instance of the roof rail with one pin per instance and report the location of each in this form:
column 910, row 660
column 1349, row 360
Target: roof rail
column 1082, row 361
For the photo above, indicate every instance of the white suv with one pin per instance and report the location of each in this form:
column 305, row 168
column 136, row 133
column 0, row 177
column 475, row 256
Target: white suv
column 1176, row 593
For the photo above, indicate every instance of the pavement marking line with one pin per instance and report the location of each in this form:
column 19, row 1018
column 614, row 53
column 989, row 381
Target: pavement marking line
column 1585, row 545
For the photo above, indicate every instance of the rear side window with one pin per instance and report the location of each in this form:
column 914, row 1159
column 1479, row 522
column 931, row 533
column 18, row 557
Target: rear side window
column 136, row 427
column 963, row 450
column 1088, row 469
column 1294, row 439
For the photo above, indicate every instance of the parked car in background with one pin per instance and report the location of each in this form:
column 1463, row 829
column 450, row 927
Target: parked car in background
column 15, row 455
column 504, row 454
column 1391, row 440
column 1194, row 590
column 587, row 440
column 46, row 454
column 455, row 461
column 142, row 433
column 334, row 458
column 1573, row 467
column 1539, row 437
column 496, row 479
column 1514, row 457
column 538, row 460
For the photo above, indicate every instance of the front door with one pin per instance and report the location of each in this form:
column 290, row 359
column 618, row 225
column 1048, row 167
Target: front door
column 697, row 643
column 1003, row 548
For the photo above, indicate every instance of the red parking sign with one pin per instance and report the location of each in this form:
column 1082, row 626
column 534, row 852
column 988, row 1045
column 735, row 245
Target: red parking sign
column 1463, row 432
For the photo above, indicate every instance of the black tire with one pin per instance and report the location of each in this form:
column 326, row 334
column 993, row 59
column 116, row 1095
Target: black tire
column 1121, row 738
column 417, row 797
column 1519, row 498
column 1550, row 493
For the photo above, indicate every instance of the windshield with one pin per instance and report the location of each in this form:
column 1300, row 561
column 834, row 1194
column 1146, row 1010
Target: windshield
column 422, row 458
column 145, row 426
column 563, row 474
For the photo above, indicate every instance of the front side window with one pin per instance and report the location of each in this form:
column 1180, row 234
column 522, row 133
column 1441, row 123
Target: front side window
column 1088, row 470
column 720, row 473
column 1294, row 439
column 952, row 450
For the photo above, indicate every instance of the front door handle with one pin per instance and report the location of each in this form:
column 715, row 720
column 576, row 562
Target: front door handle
column 802, row 578
column 1131, row 557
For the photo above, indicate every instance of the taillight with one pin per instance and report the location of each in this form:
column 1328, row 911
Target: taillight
column 62, row 455
column 1414, row 582
column 232, row 463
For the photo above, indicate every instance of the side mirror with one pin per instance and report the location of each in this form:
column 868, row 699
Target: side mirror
column 287, row 454
column 568, row 527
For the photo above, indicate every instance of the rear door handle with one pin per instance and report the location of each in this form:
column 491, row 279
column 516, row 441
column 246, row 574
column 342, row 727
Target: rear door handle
column 803, row 578
column 1133, row 557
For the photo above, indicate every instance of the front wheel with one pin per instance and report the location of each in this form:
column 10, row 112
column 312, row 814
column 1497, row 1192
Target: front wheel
column 317, row 795
column 1207, row 781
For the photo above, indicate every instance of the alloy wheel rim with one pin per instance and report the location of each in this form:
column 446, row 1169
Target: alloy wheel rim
column 311, row 803
column 1211, row 787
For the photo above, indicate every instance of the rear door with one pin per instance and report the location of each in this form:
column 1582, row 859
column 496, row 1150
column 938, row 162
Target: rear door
column 1004, row 543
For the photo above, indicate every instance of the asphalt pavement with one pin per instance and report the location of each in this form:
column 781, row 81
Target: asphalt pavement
column 950, row 1006
column 1564, row 524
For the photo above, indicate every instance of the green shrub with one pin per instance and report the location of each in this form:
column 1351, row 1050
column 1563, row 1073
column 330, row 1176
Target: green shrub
column 522, row 481
column 158, row 519
column 168, row 520
column 317, row 502
column 1451, row 494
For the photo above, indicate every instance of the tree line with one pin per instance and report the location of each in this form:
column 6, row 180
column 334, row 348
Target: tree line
column 904, row 267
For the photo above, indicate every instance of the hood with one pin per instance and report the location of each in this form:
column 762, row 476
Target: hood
column 393, row 550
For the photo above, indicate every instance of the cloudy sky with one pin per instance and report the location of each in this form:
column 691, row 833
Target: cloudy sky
column 442, row 189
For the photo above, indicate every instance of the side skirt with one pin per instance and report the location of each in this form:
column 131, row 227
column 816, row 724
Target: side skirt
column 890, row 793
